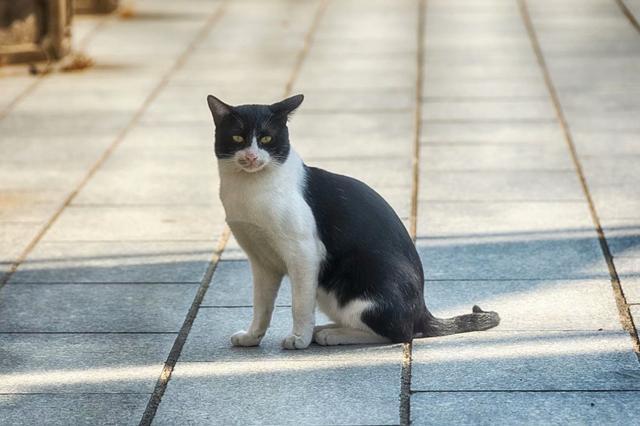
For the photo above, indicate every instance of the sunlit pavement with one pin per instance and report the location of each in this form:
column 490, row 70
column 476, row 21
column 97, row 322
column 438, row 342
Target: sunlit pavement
column 505, row 133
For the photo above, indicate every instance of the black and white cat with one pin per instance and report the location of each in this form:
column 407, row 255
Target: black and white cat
column 342, row 246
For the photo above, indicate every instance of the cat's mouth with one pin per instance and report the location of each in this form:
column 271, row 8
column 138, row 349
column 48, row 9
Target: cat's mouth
column 251, row 166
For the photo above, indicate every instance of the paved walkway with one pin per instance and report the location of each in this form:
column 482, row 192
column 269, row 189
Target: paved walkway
column 504, row 132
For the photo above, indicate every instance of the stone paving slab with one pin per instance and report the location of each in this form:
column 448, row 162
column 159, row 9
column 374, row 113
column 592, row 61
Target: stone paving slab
column 623, row 236
column 564, row 256
column 520, row 156
column 507, row 109
column 500, row 185
column 601, row 144
column 75, row 363
column 12, row 238
column 76, row 409
column 117, row 262
column 327, row 392
column 533, row 408
column 631, row 286
column 569, row 360
column 491, row 132
column 616, row 201
column 530, row 304
column 504, row 221
column 232, row 286
column 354, row 100
column 131, row 223
column 77, row 308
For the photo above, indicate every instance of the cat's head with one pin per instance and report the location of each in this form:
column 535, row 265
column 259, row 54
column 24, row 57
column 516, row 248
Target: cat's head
column 252, row 137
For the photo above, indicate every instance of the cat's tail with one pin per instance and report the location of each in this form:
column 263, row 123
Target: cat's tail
column 476, row 321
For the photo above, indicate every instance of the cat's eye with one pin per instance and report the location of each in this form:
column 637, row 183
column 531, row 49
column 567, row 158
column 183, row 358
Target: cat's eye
column 265, row 139
column 237, row 138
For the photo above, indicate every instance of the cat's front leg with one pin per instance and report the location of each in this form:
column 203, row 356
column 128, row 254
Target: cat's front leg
column 304, row 281
column 266, row 283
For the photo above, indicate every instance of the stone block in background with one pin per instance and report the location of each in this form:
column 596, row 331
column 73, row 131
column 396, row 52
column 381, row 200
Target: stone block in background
column 32, row 30
column 95, row 6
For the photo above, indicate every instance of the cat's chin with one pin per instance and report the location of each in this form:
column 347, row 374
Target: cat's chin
column 253, row 169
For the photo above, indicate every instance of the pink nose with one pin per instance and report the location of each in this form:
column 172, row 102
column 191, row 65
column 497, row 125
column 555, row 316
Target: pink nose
column 251, row 156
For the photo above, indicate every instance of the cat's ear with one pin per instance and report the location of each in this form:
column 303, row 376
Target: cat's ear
column 219, row 110
column 286, row 107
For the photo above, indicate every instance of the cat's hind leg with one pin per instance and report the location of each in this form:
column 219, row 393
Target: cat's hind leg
column 347, row 336
column 324, row 326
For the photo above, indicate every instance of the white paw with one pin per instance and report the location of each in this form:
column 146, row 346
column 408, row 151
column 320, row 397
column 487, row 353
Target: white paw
column 243, row 338
column 325, row 337
column 293, row 341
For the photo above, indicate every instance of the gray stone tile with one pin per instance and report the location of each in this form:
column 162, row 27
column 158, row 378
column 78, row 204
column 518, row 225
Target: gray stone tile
column 493, row 360
column 163, row 175
column 397, row 172
column 533, row 408
column 111, row 97
column 15, row 237
column 178, row 261
column 623, row 236
column 627, row 266
column 445, row 222
column 492, row 132
column 158, row 136
column 504, row 88
column 479, row 110
column 151, row 189
column 370, row 80
column 82, row 308
column 315, row 130
column 209, row 340
column 618, row 200
column 65, row 123
column 232, row 286
column 563, row 256
column 630, row 287
column 58, row 152
column 73, row 409
column 74, row 363
column 13, row 82
column 358, row 100
column 503, row 221
column 504, row 81
column 500, row 185
column 606, row 144
column 357, row 392
column 530, row 304
column 611, row 169
column 20, row 205
column 132, row 223
column 521, row 156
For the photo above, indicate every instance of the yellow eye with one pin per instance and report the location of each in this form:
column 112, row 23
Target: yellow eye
column 238, row 139
column 265, row 139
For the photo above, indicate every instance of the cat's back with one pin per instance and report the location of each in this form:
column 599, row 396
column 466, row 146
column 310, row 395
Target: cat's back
column 348, row 211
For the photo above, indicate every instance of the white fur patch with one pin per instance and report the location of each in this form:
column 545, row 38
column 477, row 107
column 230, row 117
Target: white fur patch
column 349, row 316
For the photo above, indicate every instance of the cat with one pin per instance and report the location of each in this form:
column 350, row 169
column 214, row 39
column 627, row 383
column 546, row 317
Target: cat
column 339, row 242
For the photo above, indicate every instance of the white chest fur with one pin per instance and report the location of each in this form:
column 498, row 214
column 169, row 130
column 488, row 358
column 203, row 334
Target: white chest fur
column 267, row 212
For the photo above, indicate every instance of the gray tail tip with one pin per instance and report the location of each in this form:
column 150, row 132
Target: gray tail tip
column 477, row 309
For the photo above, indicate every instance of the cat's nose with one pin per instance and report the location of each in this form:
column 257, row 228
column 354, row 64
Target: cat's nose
column 251, row 156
